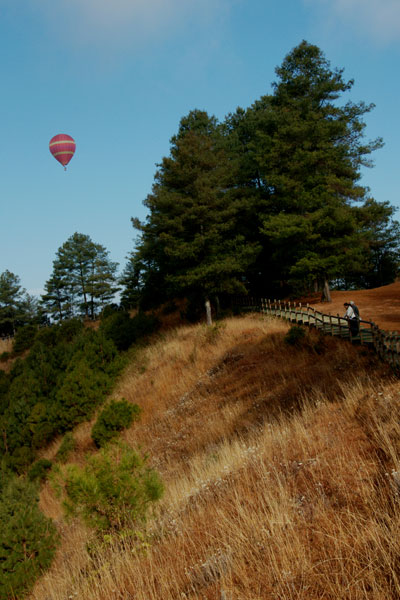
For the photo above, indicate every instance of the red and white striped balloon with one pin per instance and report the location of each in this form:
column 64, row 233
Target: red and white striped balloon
column 62, row 147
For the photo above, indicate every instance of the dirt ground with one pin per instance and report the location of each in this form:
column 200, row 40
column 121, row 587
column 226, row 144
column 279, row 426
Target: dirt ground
column 380, row 305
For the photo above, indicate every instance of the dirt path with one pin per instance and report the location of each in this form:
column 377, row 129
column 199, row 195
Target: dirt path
column 380, row 305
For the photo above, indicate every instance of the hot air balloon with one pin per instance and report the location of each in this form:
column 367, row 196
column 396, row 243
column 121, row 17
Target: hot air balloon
column 62, row 147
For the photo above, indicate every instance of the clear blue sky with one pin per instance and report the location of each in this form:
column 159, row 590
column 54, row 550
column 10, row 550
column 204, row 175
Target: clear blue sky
column 118, row 76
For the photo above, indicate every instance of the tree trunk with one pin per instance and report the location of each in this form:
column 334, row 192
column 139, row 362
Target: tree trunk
column 208, row 312
column 326, row 293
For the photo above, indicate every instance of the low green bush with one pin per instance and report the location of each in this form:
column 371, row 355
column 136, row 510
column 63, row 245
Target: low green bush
column 69, row 330
column 115, row 417
column 4, row 356
column 40, row 470
column 125, row 331
column 24, row 338
column 67, row 446
column 295, row 336
column 28, row 539
column 112, row 491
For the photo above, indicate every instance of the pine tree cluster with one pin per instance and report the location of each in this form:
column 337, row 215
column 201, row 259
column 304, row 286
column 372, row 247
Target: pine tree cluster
column 269, row 201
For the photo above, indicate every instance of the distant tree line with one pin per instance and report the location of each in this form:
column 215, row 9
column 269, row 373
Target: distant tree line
column 267, row 202
column 83, row 282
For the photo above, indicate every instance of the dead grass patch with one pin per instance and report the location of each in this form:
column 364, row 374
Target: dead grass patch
column 280, row 469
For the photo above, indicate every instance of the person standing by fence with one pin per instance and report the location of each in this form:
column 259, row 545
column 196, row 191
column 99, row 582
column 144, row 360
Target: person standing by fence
column 353, row 316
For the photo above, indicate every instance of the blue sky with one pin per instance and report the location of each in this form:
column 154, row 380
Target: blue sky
column 118, row 76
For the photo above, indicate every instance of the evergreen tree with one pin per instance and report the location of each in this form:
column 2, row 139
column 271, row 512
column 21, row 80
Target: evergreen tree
column 381, row 247
column 309, row 153
column 11, row 302
column 28, row 539
column 58, row 299
column 83, row 279
column 190, row 244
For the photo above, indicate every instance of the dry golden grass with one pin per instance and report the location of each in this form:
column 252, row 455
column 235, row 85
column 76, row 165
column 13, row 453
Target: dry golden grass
column 6, row 346
column 281, row 468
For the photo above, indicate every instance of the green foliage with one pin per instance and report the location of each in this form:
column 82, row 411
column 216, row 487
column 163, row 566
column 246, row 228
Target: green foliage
column 68, row 330
column 295, row 336
column 28, row 539
column 190, row 243
column 69, row 371
column 21, row 458
column 113, row 490
column 5, row 356
column 67, row 446
column 269, row 201
column 4, row 387
column 83, row 389
column 24, row 338
column 115, row 417
column 11, row 300
column 118, row 328
column 39, row 470
column 83, row 279
column 124, row 330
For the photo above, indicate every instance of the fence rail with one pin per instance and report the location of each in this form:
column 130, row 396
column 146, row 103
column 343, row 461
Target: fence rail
column 385, row 343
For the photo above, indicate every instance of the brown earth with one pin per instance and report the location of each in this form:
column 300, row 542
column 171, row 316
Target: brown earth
column 380, row 305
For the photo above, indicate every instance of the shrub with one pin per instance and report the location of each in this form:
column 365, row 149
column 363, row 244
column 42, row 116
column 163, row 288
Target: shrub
column 67, row 446
column 295, row 336
column 39, row 470
column 4, row 356
column 112, row 419
column 28, row 539
column 124, row 330
column 21, row 458
column 113, row 490
column 24, row 338
column 143, row 324
column 83, row 389
column 68, row 330
column 109, row 310
column 117, row 327
column 48, row 336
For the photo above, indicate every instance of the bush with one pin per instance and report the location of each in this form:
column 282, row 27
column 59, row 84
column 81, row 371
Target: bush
column 4, row 356
column 83, row 389
column 124, row 330
column 295, row 336
column 109, row 310
column 28, row 539
column 21, row 458
column 143, row 324
column 24, row 338
column 39, row 470
column 117, row 327
column 68, row 330
column 67, row 446
column 114, row 418
column 113, row 490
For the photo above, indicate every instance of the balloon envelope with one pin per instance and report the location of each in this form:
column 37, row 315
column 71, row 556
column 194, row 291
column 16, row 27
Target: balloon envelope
column 62, row 147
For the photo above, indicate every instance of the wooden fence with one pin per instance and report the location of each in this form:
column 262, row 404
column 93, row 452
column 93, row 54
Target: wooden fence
column 385, row 343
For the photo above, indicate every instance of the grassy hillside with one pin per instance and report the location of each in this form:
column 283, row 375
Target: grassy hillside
column 280, row 465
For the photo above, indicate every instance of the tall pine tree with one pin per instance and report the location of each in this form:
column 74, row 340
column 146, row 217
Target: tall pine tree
column 83, row 279
column 190, row 244
column 309, row 152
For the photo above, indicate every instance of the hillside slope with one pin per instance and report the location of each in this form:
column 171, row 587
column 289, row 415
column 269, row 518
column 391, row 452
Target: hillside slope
column 281, row 472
